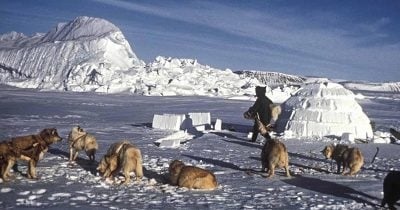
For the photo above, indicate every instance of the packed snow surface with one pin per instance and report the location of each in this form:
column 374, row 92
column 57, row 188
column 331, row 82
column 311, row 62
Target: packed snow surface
column 228, row 153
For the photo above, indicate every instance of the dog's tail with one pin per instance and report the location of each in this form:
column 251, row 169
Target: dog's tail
column 376, row 153
column 139, row 166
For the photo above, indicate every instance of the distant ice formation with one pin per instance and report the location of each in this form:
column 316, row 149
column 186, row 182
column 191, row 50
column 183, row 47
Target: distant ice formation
column 92, row 54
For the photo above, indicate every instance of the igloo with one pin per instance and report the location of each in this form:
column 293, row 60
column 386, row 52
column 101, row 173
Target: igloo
column 323, row 109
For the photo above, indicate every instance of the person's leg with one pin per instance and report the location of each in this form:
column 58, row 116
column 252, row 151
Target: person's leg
column 255, row 132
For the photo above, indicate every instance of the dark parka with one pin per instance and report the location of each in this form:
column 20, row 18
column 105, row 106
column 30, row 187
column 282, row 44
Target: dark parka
column 263, row 108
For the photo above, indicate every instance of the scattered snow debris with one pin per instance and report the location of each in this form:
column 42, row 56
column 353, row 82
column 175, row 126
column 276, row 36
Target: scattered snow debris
column 175, row 139
column 249, row 135
column 5, row 190
column 170, row 143
column 39, row 191
column 381, row 137
column 79, row 198
column 24, row 193
column 323, row 109
column 34, row 197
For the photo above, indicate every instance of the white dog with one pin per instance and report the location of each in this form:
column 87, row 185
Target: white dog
column 78, row 140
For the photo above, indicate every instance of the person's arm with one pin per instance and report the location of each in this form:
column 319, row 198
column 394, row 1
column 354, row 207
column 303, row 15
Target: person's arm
column 255, row 107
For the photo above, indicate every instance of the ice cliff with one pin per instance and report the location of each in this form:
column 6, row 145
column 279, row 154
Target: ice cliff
column 80, row 55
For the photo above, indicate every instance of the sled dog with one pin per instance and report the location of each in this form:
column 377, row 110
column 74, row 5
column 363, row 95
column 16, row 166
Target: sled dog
column 191, row 177
column 274, row 155
column 349, row 157
column 275, row 112
column 7, row 154
column 32, row 149
column 391, row 189
column 78, row 140
column 121, row 156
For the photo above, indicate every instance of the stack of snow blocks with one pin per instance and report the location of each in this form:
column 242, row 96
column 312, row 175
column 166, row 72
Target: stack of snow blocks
column 178, row 122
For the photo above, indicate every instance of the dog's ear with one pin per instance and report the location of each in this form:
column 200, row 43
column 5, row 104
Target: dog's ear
column 53, row 131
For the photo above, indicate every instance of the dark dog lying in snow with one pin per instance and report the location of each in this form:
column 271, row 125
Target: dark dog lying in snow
column 391, row 189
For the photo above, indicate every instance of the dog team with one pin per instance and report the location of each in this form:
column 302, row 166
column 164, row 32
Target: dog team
column 120, row 156
column 126, row 157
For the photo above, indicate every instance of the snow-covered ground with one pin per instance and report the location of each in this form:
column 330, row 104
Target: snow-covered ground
column 228, row 153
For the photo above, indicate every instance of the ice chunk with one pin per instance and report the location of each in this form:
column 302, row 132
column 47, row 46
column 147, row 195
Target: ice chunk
column 218, row 125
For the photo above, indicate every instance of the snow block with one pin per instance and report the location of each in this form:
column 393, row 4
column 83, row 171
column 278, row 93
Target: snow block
column 200, row 128
column 168, row 121
column 200, row 118
column 348, row 137
column 177, row 122
column 170, row 143
column 218, row 125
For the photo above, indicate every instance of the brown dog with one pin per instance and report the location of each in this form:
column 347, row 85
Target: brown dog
column 349, row 157
column 274, row 154
column 121, row 155
column 391, row 189
column 78, row 140
column 33, row 148
column 7, row 154
column 191, row 177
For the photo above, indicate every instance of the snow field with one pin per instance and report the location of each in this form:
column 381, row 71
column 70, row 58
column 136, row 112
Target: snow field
column 234, row 160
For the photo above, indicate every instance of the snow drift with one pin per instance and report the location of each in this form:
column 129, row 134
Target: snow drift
column 324, row 109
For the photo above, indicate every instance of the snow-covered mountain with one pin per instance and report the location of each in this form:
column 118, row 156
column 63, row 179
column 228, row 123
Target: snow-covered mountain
column 79, row 55
column 92, row 54
column 379, row 87
column 272, row 78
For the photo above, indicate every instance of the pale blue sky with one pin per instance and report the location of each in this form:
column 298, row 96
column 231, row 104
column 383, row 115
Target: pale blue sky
column 352, row 40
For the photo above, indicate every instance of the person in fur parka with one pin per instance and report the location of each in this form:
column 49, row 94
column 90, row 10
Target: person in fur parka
column 262, row 107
